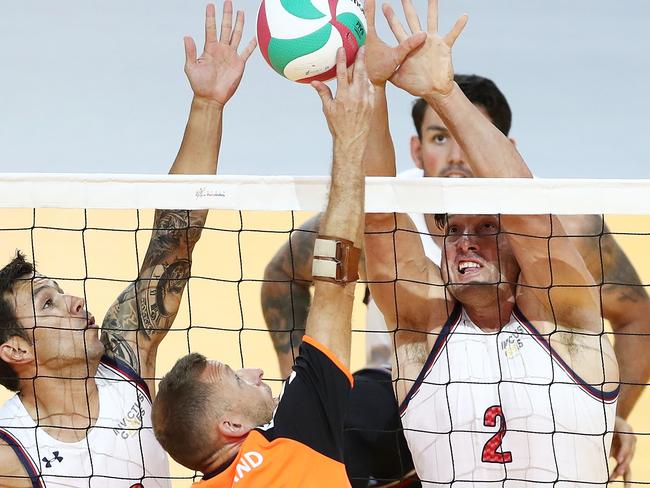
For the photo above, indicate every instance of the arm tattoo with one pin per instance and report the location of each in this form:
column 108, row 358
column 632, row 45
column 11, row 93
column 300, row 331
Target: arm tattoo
column 620, row 277
column 148, row 306
column 119, row 348
column 285, row 293
column 286, row 314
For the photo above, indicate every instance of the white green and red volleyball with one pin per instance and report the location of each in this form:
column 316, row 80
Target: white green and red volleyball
column 299, row 38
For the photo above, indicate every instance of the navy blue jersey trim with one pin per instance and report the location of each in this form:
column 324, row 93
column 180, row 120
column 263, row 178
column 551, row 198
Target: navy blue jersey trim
column 606, row 396
column 23, row 456
column 126, row 370
column 437, row 347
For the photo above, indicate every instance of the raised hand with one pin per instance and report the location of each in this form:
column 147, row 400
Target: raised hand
column 381, row 59
column 216, row 75
column 348, row 114
column 428, row 70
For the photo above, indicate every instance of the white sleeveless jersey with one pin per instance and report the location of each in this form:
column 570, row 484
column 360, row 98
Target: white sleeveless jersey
column 504, row 410
column 120, row 451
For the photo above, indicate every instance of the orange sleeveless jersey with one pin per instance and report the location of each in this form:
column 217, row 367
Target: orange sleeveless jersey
column 302, row 446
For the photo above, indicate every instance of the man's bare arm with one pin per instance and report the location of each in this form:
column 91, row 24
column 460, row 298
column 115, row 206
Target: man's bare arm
column 627, row 307
column 285, row 292
column 428, row 73
column 347, row 114
column 382, row 60
column 403, row 280
column 625, row 303
column 12, row 473
column 144, row 312
column 379, row 160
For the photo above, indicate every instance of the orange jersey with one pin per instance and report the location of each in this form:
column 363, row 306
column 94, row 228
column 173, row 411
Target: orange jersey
column 302, row 446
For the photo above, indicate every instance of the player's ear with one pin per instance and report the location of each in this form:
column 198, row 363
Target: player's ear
column 514, row 142
column 416, row 151
column 16, row 350
column 231, row 428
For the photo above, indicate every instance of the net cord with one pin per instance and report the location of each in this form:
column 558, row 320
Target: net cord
column 309, row 193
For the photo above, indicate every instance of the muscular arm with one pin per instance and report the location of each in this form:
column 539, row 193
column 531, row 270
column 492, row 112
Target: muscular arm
column 391, row 252
column 399, row 272
column 546, row 257
column 625, row 303
column 627, row 307
column 329, row 320
column 139, row 319
column 382, row 60
column 144, row 312
column 403, row 280
column 285, row 293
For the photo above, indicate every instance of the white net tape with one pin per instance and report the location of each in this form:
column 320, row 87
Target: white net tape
column 431, row 195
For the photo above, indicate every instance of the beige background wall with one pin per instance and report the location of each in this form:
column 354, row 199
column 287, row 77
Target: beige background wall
column 226, row 319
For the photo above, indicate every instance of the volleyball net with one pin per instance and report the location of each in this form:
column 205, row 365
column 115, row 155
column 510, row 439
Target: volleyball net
column 90, row 234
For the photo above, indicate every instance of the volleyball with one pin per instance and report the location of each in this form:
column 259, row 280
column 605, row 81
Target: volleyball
column 299, row 38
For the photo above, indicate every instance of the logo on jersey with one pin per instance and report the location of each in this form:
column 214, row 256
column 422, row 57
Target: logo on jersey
column 137, row 485
column 131, row 423
column 247, row 463
column 512, row 343
column 55, row 457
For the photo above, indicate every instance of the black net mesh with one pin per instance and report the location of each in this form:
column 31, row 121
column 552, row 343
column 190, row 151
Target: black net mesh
column 241, row 285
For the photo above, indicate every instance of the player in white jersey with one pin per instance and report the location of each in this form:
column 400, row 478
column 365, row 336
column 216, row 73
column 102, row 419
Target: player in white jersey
column 119, row 450
column 81, row 415
column 435, row 153
column 502, row 381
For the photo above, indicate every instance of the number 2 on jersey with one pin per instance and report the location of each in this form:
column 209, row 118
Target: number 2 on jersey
column 490, row 454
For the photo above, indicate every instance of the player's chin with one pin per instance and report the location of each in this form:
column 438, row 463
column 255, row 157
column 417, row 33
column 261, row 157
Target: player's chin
column 459, row 289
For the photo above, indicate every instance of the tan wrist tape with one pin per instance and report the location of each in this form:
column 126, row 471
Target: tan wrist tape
column 335, row 260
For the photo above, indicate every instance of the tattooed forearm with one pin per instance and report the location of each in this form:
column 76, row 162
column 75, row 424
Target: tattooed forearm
column 146, row 309
column 285, row 292
column 175, row 232
column 621, row 280
column 159, row 295
column 285, row 312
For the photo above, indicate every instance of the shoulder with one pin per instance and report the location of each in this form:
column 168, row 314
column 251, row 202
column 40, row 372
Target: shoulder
column 111, row 368
column 12, row 472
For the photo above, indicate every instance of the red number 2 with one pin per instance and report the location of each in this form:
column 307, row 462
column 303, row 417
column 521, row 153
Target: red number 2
column 490, row 454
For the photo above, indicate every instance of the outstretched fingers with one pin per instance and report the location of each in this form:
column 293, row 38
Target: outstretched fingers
column 226, row 23
column 369, row 10
column 210, row 25
column 238, row 30
column 411, row 15
column 190, row 51
column 450, row 38
column 394, row 23
column 432, row 17
column 248, row 50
